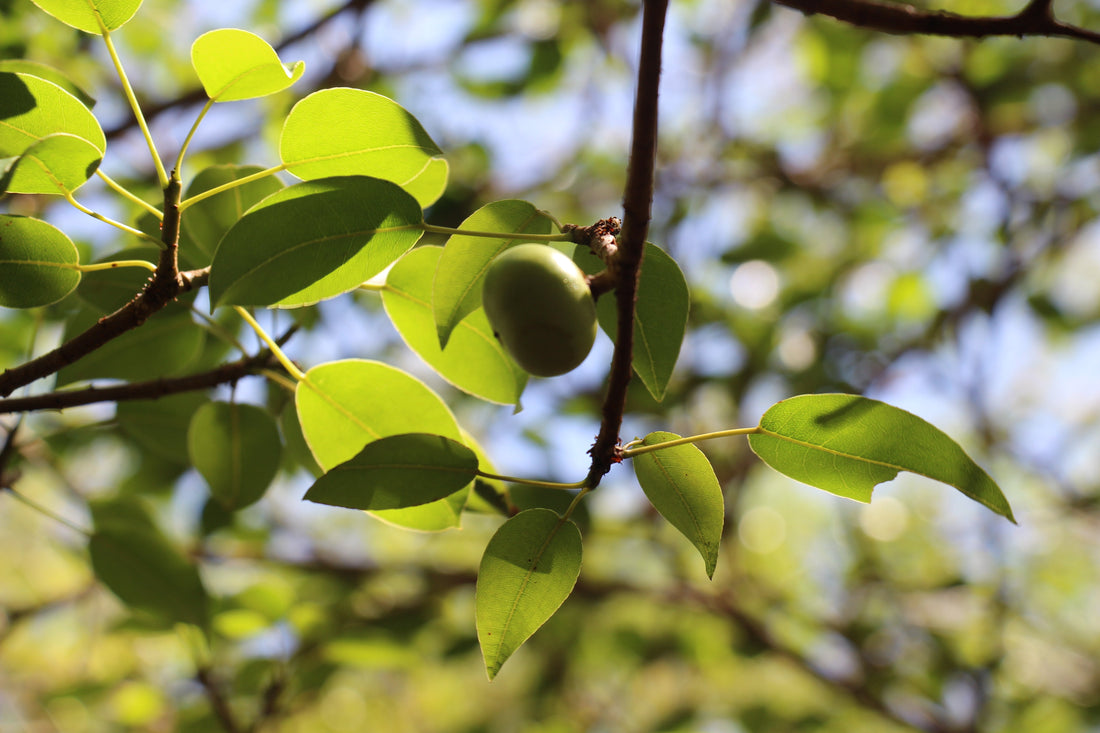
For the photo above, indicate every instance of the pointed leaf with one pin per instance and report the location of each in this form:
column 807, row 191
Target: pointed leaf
column 847, row 445
column 132, row 558
column 680, row 483
column 528, row 570
column 36, row 263
column 207, row 221
column 57, row 164
column 474, row 360
column 236, row 448
column 344, row 405
column 461, row 269
column 233, row 64
column 377, row 137
column 32, row 108
column 400, row 471
column 660, row 315
column 86, row 15
column 313, row 241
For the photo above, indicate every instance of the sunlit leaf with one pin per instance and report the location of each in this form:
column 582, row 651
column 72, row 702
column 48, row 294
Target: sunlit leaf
column 206, row 222
column 312, row 241
column 57, row 164
column 36, row 263
column 344, row 132
column 680, row 483
column 91, row 16
column 461, row 269
column 42, row 71
column 236, row 448
column 396, row 472
column 132, row 558
column 474, row 360
column 233, row 64
column 32, row 108
column 528, row 570
column 847, row 444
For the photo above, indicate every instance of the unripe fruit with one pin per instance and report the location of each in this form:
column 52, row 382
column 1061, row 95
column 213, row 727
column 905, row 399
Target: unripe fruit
column 540, row 308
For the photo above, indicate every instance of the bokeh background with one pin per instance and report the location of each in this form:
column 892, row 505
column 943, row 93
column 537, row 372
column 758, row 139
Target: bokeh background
column 909, row 218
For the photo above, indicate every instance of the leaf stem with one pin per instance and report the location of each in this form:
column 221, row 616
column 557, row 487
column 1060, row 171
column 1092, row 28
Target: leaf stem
column 125, row 193
column 46, row 512
column 118, row 225
column 162, row 175
column 293, row 370
column 434, row 229
column 116, row 264
column 629, row 452
column 191, row 133
column 531, row 482
column 187, row 203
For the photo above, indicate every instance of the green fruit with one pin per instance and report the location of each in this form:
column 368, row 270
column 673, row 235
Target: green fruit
column 540, row 308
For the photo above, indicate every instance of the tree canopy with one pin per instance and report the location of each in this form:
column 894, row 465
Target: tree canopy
column 266, row 466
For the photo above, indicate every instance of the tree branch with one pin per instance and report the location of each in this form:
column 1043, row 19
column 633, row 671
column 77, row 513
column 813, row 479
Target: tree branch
column 1035, row 19
column 637, row 204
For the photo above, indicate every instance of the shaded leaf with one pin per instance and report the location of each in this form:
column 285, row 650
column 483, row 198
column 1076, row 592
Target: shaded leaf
column 528, row 570
column 474, row 360
column 680, row 483
column 233, row 64
column 207, row 221
column 399, row 471
column 847, row 445
column 160, row 426
column 313, row 241
column 236, row 448
column 36, row 263
column 42, row 71
column 32, row 108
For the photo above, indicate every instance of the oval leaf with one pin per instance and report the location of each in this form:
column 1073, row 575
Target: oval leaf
column 313, row 241
column 234, row 64
column 528, row 570
column 57, row 164
column 160, row 426
column 660, row 315
column 32, row 108
column 397, row 472
column 474, row 360
column 207, row 221
column 42, row 71
column 132, row 558
column 37, row 263
column 847, row 445
column 87, row 15
column 236, row 448
column 344, row 405
column 680, row 483
column 342, row 132
column 461, row 270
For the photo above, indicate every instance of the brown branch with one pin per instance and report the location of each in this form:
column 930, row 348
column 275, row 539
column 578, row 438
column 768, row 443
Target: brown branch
column 637, row 204
column 222, row 711
column 150, row 390
column 1035, row 19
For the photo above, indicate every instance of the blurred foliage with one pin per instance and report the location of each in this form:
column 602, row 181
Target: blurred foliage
column 910, row 218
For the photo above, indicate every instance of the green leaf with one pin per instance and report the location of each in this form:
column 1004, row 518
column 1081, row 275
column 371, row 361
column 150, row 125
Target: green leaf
column 236, row 448
column 233, row 64
column 42, row 71
column 57, row 164
column 680, row 483
column 36, row 263
column 132, row 558
column 32, row 108
column 847, row 445
column 312, row 241
column 528, row 570
column 206, row 222
column 108, row 290
column 461, row 268
column 342, row 132
column 344, row 405
column 86, row 15
column 400, row 471
column 474, row 360
column 160, row 426
column 164, row 345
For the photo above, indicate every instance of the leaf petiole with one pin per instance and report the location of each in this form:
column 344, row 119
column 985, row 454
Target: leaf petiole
column 629, row 451
column 118, row 225
column 434, row 229
column 96, row 267
column 162, row 175
column 532, row 482
column 293, row 370
column 122, row 191
column 186, row 203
